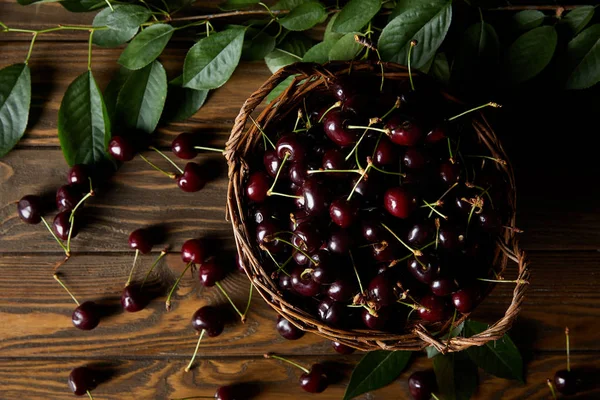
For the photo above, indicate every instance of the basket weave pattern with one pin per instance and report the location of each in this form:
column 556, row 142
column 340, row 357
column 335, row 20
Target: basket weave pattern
column 243, row 141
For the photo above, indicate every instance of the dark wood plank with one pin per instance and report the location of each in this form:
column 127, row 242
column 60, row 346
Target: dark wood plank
column 36, row 311
column 165, row 379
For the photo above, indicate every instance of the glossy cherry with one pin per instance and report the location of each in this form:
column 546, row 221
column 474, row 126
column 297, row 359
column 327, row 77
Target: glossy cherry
column 466, row 299
column 142, row 240
column 343, row 212
column 134, row 298
column 303, row 284
column 208, row 318
column 386, row 153
column 433, row 308
column 30, row 209
column 404, row 130
column 271, row 162
column 193, row 250
column 285, row 282
column 331, row 312
column 489, row 221
column 437, row 134
column 193, row 178
column 343, row 88
column 415, row 158
column 327, row 269
column 316, row 380
column 420, row 234
column 342, row 289
column 449, row 172
column 340, row 241
column 61, row 225
column 382, row 289
column 566, row 382
column 334, row 159
column 258, row 185
column 210, row 272
column 399, row 202
column 81, row 380
column 121, row 149
column 443, row 286
column 183, row 146
column 86, row 316
column 450, row 237
column 376, row 320
column 335, row 126
column 79, row 175
column 316, row 196
column 266, row 233
column 291, row 145
column 424, row 268
column 298, row 172
column 67, row 197
column 342, row 348
column 422, row 384
column 287, row 330
column 235, row 392
column 307, row 236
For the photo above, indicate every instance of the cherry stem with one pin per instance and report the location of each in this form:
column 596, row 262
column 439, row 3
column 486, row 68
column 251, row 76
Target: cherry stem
column 432, row 206
column 335, row 105
column 414, row 251
column 437, row 232
column 299, row 115
column 287, row 361
column 87, row 391
column 277, row 175
column 249, row 300
column 522, row 281
column 320, row 171
column 169, row 174
column 67, row 253
column 187, row 369
column 209, row 149
column 163, row 155
column 568, row 349
column 279, row 267
column 498, row 160
column 242, row 316
column 394, row 107
column 444, row 195
column 364, row 173
column 291, row 196
column 154, row 264
column 355, row 148
column 369, row 128
column 356, row 273
column 298, row 249
column 450, row 151
column 168, row 302
column 434, row 396
column 490, row 104
column 83, row 199
column 388, row 172
column 264, row 135
column 137, row 253
column 57, row 279
column 413, row 306
column 551, row 386
column 413, row 43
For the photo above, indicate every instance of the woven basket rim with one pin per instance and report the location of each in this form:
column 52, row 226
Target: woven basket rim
column 308, row 76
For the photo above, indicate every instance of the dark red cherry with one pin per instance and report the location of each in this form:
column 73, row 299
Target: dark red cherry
column 303, row 284
column 285, row 282
column 421, row 234
column 121, row 149
column 316, row 196
column 30, row 209
column 399, row 202
column 415, row 158
column 287, row 330
column 272, row 162
column 382, row 289
column 134, row 298
column 386, row 250
column 334, row 159
column 266, row 232
column 466, row 299
column 86, row 316
column 424, row 268
column 342, row 290
column 235, row 392
column 404, row 130
column 209, row 319
column 331, row 312
column 376, row 320
column 372, row 230
column 210, row 273
column 327, row 269
column 298, row 172
column 192, row 179
column 567, row 382
column 61, row 225
column 291, row 145
column 316, row 380
column 142, row 240
column 340, row 241
column 257, row 186
column 434, row 308
column 307, row 236
column 343, row 212
column 183, row 146
column 386, row 153
column 490, row 221
column 193, row 251
column 437, row 134
column 342, row 348
column 451, row 238
column 335, row 126
column 81, row 380
column 449, row 172
column 422, row 384
column 67, row 197
column 343, row 88
column 443, row 286
column 79, row 175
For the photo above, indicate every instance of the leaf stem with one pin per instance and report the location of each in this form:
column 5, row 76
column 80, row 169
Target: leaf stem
column 109, row 5
column 57, row 279
column 167, row 158
column 168, row 302
column 90, row 50
column 187, row 369
column 31, row 48
column 272, row 13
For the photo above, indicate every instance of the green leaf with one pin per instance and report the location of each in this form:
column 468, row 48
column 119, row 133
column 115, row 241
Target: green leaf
column 355, row 15
column 111, row 37
column 277, row 90
column 405, row 5
column 583, row 57
column 28, row 2
column 127, row 16
column 427, row 23
column 527, row 20
column 500, row 358
column 288, row 4
column 257, row 45
column 83, row 123
column 478, row 55
column 111, row 93
column 146, row 46
column 578, row 18
column 291, row 50
column 345, row 49
column 182, row 102
column 211, row 62
column 531, row 53
column 456, row 376
column 237, row 4
column 375, row 370
column 440, row 69
column 83, row 5
column 329, row 33
column 142, row 98
column 278, row 59
column 319, row 53
column 432, row 351
column 304, row 17
column 15, row 100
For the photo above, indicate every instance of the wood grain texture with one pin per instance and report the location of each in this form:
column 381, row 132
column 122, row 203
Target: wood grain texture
column 164, row 379
column 36, row 311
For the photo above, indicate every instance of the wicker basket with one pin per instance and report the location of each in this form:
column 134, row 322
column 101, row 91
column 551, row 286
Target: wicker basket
column 245, row 138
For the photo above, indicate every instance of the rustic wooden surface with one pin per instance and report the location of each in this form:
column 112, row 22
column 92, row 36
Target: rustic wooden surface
column 145, row 352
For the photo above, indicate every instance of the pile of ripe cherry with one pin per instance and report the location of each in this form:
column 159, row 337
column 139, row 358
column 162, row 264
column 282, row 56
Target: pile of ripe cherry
column 369, row 205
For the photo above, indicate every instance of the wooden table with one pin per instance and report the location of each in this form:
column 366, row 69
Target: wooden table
column 146, row 352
